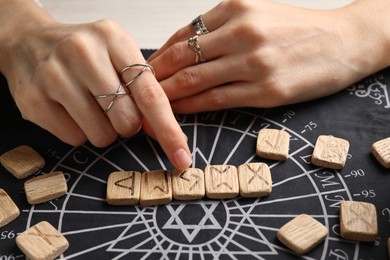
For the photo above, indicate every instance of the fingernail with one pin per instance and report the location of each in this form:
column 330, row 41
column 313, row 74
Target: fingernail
column 182, row 158
column 185, row 136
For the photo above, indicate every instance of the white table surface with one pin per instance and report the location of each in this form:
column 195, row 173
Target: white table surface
column 151, row 22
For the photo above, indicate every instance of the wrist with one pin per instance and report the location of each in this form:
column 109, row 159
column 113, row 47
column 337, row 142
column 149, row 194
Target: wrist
column 370, row 33
column 18, row 19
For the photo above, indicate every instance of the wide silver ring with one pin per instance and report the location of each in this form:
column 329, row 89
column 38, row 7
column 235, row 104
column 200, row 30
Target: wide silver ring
column 199, row 26
column 119, row 92
column 194, row 45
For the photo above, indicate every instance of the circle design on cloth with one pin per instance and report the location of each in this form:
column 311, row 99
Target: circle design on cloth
column 237, row 228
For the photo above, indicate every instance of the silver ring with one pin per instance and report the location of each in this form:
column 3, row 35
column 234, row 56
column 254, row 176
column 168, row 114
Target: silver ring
column 144, row 65
column 199, row 26
column 119, row 92
column 194, row 45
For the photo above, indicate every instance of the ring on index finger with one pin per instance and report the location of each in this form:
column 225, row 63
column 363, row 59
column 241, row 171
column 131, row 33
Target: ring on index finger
column 199, row 26
column 134, row 78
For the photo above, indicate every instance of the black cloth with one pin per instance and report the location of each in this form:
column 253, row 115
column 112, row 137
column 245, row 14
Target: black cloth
column 213, row 229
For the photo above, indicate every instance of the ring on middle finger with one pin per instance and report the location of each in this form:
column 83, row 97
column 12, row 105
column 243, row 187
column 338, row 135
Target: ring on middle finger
column 119, row 92
column 194, row 45
column 199, row 26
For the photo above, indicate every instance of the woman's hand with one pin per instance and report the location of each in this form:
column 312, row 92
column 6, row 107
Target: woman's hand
column 54, row 72
column 265, row 54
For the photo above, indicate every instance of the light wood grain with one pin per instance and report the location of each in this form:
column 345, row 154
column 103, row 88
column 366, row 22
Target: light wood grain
column 123, row 188
column 45, row 187
column 330, row 152
column 381, row 151
column 273, row 144
column 254, row 179
column 22, row 161
column 42, row 242
column 8, row 209
column 188, row 184
column 156, row 188
column 358, row 221
column 302, row 234
column 221, row 181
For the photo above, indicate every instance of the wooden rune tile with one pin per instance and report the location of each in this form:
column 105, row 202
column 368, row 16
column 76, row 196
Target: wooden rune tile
column 254, row 179
column 358, row 221
column 188, row 184
column 330, row 152
column 156, row 188
column 123, row 188
column 45, row 187
column 22, row 161
column 302, row 234
column 8, row 209
column 42, row 241
column 221, row 181
column 381, row 151
column 273, row 144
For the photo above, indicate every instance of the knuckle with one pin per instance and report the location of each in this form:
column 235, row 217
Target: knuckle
column 277, row 91
column 248, row 32
column 215, row 99
column 237, row 5
column 169, row 135
column 151, row 95
column 106, row 27
column 75, row 45
column 187, row 78
column 77, row 138
column 175, row 54
column 257, row 61
column 179, row 35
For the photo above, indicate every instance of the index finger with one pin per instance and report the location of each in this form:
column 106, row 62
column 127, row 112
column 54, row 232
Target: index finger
column 154, row 105
column 151, row 100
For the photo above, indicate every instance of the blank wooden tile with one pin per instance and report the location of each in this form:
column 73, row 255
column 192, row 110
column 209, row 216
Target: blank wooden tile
column 22, row 161
column 123, row 188
column 381, row 151
column 45, row 187
column 221, row 181
column 42, row 241
column 188, row 184
column 273, row 144
column 302, row 234
column 156, row 188
column 330, row 152
column 8, row 209
column 358, row 221
column 254, row 179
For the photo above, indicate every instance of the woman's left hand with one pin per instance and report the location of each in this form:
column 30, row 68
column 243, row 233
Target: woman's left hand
column 265, row 54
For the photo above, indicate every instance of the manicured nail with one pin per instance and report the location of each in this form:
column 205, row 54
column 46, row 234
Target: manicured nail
column 182, row 158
